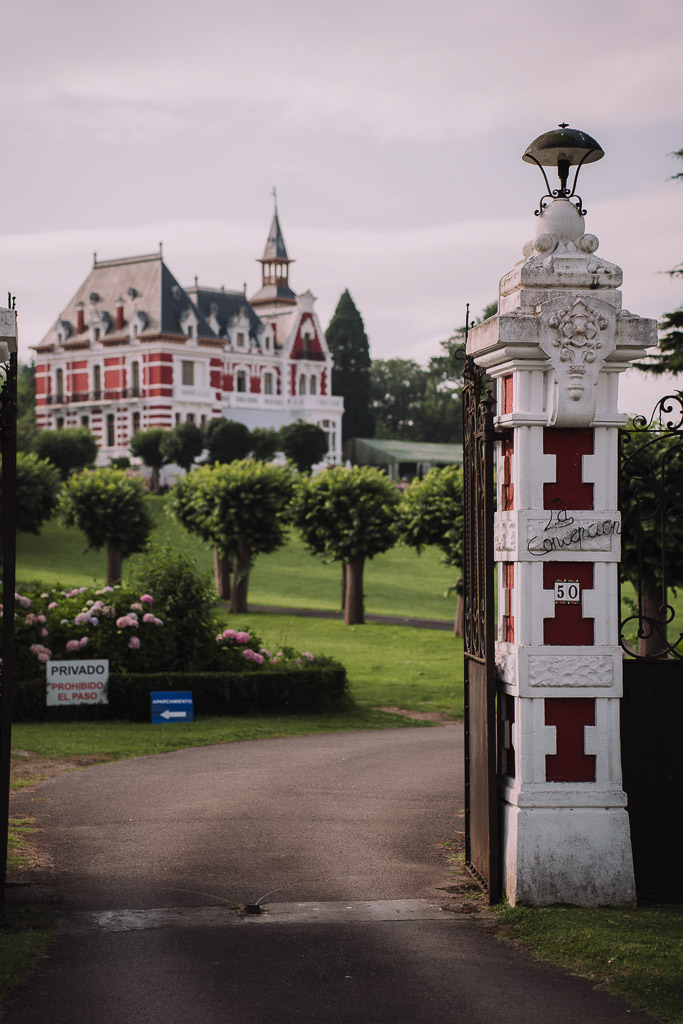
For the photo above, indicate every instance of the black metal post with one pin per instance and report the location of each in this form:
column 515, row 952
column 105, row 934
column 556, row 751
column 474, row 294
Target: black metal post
column 8, row 439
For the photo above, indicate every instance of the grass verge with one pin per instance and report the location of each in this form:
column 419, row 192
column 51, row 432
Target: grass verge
column 635, row 954
column 25, row 933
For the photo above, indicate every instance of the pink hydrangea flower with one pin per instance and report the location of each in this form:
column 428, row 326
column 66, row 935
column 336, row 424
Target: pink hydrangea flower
column 82, row 618
column 127, row 620
column 44, row 632
column 73, row 645
column 31, row 619
column 24, row 602
column 147, row 599
column 52, row 604
column 42, row 653
column 152, row 619
column 229, row 634
column 41, row 619
column 134, row 643
column 136, row 607
column 307, row 654
column 241, row 638
column 83, row 641
column 253, row 656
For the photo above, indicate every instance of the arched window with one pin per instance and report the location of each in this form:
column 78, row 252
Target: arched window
column 313, row 387
column 302, row 385
column 267, row 384
column 241, row 380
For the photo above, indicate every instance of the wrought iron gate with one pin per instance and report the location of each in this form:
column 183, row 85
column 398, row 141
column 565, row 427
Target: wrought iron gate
column 651, row 635
column 481, row 811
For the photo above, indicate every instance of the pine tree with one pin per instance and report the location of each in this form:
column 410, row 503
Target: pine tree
column 350, row 350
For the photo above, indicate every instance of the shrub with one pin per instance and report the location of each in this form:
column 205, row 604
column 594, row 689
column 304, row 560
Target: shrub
column 309, row 688
column 186, row 596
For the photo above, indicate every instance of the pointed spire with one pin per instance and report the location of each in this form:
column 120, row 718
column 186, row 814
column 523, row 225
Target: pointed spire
column 275, row 266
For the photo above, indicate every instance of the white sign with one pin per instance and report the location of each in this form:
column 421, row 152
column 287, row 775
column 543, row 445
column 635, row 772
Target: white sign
column 567, row 592
column 77, row 682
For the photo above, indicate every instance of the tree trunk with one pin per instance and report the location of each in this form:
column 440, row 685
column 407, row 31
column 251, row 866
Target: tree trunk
column 221, row 567
column 154, row 479
column 240, row 580
column 353, row 610
column 654, row 642
column 459, row 624
column 343, row 590
column 114, row 565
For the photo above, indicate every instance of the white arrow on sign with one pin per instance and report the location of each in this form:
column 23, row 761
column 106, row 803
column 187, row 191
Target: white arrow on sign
column 173, row 714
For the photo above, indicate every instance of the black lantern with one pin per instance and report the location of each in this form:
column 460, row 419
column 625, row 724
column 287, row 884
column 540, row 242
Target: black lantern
column 564, row 147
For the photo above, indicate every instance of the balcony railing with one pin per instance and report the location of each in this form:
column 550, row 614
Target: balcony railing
column 245, row 399
column 103, row 395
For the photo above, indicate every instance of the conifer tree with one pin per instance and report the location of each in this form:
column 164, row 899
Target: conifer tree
column 350, row 350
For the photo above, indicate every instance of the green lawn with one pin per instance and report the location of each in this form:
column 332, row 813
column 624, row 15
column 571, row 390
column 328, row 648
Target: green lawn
column 399, row 582
column 636, row 954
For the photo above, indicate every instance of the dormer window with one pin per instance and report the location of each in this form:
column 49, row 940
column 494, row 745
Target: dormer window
column 240, row 339
column 188, row 323
column 138, row 323
column 99, row 324
column 63, row 331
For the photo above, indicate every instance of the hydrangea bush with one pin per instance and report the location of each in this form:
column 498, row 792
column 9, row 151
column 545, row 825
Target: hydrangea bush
column 127, row 628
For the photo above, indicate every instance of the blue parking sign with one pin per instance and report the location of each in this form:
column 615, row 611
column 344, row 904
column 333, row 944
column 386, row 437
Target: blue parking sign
column 172, row 706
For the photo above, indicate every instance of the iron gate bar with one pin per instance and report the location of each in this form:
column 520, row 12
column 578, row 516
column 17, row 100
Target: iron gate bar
column 8, row 441
column 481, row 804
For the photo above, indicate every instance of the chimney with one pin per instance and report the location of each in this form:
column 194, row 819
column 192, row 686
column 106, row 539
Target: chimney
column 80, row 318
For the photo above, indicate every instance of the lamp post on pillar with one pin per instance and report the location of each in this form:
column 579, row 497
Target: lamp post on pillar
column 555, row 350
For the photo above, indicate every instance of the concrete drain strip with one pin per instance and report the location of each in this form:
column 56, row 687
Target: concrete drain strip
column 334, row 912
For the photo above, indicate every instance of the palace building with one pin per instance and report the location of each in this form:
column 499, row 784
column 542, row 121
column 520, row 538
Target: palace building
column 133, row 349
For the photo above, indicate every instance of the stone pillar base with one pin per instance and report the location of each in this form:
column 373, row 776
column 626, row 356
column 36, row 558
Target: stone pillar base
column 579, row 856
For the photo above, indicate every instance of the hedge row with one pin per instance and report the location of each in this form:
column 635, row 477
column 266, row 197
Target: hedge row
column 309, row 689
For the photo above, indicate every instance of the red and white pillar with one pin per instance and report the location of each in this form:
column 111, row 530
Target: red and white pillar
column 555, row 350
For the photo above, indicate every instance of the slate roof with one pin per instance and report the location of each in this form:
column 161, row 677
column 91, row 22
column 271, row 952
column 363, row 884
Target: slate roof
column 227, row 305
column 146, row 286
column 275, row 245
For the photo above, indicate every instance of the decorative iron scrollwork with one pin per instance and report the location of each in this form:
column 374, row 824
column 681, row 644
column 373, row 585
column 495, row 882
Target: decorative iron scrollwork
column 651, row 501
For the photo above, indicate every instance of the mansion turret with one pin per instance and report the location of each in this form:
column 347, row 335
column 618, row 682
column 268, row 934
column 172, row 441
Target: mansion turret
column 133, row 349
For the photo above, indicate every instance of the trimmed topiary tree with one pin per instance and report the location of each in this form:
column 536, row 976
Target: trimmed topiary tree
column 66, row 449
column 241, row 508
column 146, row 445
column 227, row 441
column 109, row 507
column 431, row 513
column 183, row 445
column 37, row 491
column 348, row 515
column 304, row 444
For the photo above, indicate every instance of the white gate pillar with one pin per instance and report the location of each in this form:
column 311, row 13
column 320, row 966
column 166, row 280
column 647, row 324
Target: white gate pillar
column 555, row 350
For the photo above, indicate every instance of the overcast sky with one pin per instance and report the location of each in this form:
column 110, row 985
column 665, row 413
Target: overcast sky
column 393, row 131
